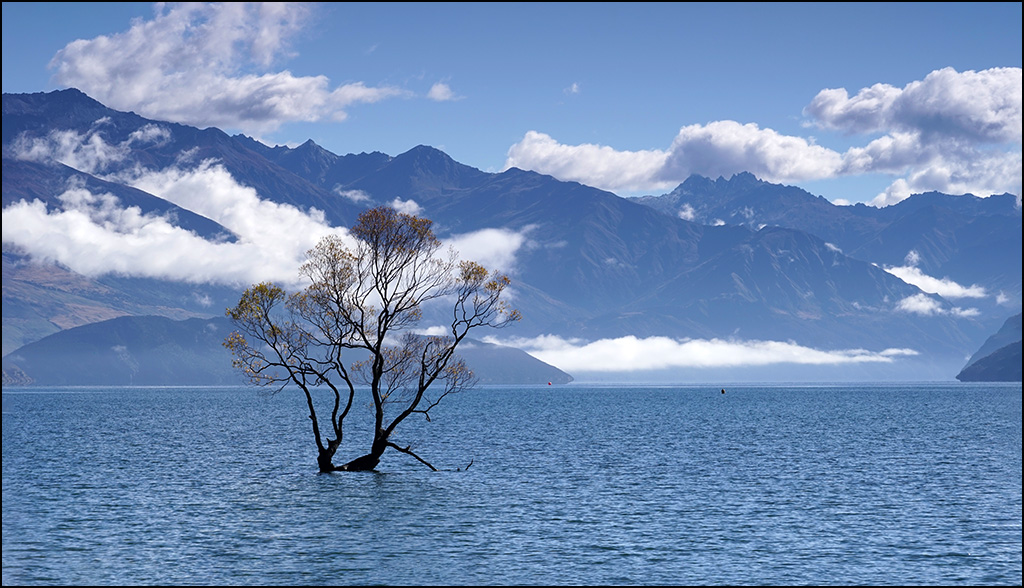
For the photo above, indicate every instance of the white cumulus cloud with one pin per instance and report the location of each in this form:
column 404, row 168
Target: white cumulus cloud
column 409, row 206
column 210, row 64
column 944, row 287
column 686, row 212
column 954, row 132
column 442, row 92
column 978, row 106
column 594, row 165
column 353, row 195
column 494, row 249
column 725, row 148
column 925, row 305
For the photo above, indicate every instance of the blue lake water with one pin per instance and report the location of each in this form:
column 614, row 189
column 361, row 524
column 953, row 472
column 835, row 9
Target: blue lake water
column 901, row 484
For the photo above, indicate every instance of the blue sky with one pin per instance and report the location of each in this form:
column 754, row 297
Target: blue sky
column 857, row 102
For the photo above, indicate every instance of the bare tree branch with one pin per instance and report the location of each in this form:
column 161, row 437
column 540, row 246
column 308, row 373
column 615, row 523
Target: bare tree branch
column 364, row 298
column 408, row 451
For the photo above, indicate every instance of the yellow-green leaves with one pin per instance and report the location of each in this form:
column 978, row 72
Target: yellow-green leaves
column 329, row 265
column 388, row 232
column 256, row 302
column 472, row 273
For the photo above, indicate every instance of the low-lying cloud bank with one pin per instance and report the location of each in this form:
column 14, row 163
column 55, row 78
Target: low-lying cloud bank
column 95, row 234
column 633, row 354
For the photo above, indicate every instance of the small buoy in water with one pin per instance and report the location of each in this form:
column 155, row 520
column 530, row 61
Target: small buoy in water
column 549, row 383
column 723, row 390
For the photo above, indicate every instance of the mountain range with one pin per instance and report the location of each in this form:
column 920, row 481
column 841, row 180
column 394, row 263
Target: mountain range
column 736, row 259
column 999, row 358
column 159, row 351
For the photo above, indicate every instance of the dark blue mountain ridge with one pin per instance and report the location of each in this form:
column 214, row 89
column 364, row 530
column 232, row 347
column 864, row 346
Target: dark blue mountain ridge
column 318, row 165
column 594, row 264
column 783, row 284
column 1010, row 332
column 598, row 223
column 40, row 299
column 128, row 351
column 1002, row 365
column 24, row 117
column 982, row 249
column 158, row 351
column 966, row 238
column 456, row 203
column 748, row 200
column 595, row 225
column 559, row 216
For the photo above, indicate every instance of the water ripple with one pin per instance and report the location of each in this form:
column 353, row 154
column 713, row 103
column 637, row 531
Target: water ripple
column 907, row 485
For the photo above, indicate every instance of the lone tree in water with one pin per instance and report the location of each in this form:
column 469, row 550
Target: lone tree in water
column 364, row 300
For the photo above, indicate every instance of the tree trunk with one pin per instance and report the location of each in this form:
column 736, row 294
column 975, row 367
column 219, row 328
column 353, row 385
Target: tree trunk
column 324, row 460
column 369, row 461
column 361, row 464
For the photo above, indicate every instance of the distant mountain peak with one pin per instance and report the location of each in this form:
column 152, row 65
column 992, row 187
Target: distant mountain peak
column 426, row 152
column 425, row 161
column 311, row 149
column 742, row 178
column 57, row 96
column 694, row 184
column 697, row 184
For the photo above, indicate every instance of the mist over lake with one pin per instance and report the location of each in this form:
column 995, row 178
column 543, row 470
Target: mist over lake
column 890, row 484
